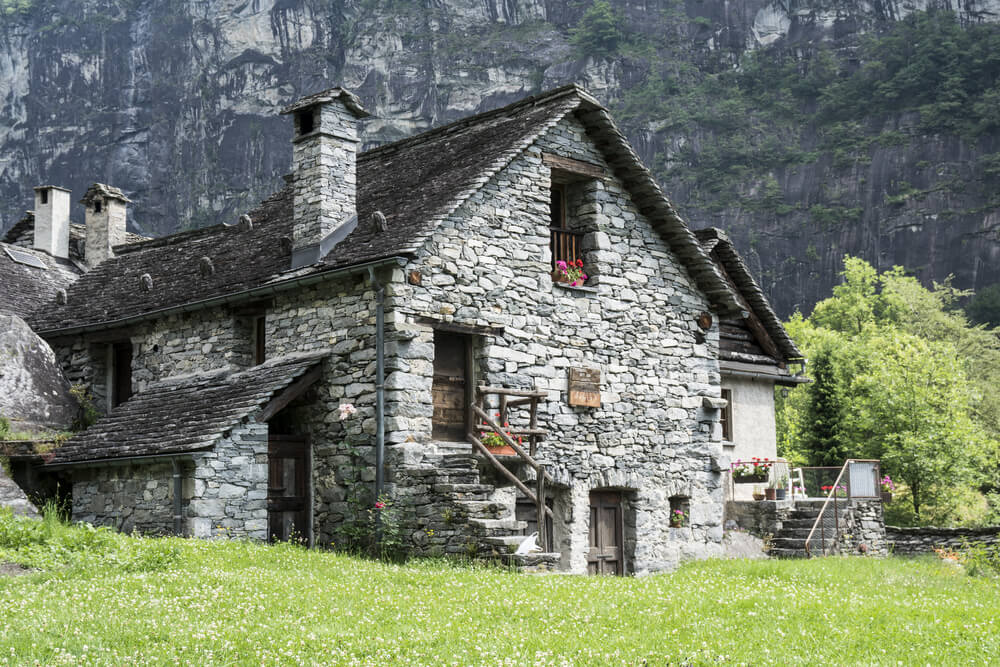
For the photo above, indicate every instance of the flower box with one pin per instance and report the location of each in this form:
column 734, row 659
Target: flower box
column 886, row 496
column 505, row 450
column 749, row 479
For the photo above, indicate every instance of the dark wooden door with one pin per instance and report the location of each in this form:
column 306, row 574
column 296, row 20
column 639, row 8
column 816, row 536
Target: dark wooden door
column 452, row 386
column 606, row 555
column 288, row 488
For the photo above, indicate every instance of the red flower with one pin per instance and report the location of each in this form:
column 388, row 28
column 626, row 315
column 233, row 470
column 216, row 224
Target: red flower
column 379, row 505
column 579, row 262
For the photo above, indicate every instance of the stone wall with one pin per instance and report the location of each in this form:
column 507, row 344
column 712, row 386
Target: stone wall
column 224, row 491
column 487, row 265
column 228, row 487
column 865, row 530
column 761, row 518
column 126, row 497
column 920, row 540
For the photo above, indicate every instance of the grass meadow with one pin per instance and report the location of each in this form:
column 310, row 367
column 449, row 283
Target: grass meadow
column 98, row 598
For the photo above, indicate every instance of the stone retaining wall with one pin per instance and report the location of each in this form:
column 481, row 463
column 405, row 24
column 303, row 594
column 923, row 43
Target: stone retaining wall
column 921, row 540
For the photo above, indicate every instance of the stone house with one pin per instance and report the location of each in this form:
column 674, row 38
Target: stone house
column 414, row 282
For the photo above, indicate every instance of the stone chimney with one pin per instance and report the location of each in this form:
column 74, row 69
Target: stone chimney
column 324, row 155
column 52, row 220
column 105, row 215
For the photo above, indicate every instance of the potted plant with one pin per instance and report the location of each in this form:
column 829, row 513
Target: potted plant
column 839, row 492
column 753, row 471
column 678, row 519
column 780, row 488
column 887, row 487
column 495, row 442
column 758, row 493
column 570, row 272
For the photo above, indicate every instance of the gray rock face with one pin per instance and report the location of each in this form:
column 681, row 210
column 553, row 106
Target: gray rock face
column 13, row 497
column 34, row 394
column 177, row 104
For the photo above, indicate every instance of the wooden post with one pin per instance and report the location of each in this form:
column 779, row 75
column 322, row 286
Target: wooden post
column 543, row 539
column 533, row 424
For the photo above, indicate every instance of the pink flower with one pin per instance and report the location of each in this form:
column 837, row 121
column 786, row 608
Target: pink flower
column 379, row 505
column 346, row 410
column 561, row 265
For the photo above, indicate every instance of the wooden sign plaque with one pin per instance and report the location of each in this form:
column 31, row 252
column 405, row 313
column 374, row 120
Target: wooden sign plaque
column 585, row 387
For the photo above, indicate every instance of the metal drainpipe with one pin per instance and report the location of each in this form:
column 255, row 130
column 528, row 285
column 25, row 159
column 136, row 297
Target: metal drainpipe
column 379, row 394
column 178, row 491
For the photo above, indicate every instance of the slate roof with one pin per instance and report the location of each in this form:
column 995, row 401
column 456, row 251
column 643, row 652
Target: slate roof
column 183, row 414
column 23, row 234
column 720, row 246
column 415, row 183
column 24, row 289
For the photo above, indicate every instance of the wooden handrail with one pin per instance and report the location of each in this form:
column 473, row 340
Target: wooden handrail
column 492, row 423
column 507, row 473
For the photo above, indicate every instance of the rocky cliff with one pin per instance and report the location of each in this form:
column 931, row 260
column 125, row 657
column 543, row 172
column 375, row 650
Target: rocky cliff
column 175, row 101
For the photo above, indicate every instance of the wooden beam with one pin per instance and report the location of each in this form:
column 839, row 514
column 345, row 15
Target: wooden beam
column 460, row 328
column 483, row 389
column 290, row 393
column 574, row 167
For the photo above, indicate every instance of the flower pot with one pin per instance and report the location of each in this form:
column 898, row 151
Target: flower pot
column 771, row 494
column 505, row 450
column 749, row 479
column 779, row 494
column 560, row 277
column 886, row 496
column 676, row 524
column 758, row 496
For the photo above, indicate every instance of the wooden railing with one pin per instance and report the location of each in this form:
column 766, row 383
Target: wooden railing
column 516, row 398
column 565, row 244
column 858, row 478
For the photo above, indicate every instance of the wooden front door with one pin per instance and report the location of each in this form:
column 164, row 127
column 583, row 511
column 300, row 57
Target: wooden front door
column 452, row 386
column 606, row 555
column 288, row 488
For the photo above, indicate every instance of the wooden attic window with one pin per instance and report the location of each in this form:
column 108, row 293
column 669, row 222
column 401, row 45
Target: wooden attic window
column 570, row 179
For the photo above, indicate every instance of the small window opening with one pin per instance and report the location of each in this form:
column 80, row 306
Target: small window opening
column 44, row 196
column 121, row 372
column 97, row 206
column 680, row 511
column 259, row 340
column 726, row 418
column 306, row 124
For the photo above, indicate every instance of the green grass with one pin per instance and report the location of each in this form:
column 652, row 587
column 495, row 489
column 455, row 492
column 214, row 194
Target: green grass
column 197, row 602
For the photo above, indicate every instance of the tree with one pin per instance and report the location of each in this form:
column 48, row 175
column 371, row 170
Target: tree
column 900, row 375
column 984, row 307
column 598, row 32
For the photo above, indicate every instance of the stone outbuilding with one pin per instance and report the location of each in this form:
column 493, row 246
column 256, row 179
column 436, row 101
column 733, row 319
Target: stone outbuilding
column 346, row 350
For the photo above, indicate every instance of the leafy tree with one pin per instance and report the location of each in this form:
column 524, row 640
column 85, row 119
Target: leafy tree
column 984, row 307
column 900, row 375
column 598, row 32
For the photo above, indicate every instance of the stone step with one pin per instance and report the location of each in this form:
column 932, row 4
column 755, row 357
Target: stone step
column 483, row 509
column 797, row 524
column 799, row 515
column 787, row 553
column 496, row 527
column 512, row 542
column 788, row 542
column 459, row 461
column 458, row 477
column 801, row 533
column 464, row 491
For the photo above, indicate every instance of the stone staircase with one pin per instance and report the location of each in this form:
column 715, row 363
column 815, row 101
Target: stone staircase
column 463, row 516
column 790, row 541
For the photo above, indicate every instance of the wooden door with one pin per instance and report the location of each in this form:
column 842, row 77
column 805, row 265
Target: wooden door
column 606, row 555
column 288, row 488
column 452, row 386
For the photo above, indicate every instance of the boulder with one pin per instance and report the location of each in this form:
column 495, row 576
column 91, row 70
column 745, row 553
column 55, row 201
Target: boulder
column 34, row 393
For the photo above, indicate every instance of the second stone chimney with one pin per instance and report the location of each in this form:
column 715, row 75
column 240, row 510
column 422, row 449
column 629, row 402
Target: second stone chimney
column 105, row 216
column 324, row 155
column 52, row 220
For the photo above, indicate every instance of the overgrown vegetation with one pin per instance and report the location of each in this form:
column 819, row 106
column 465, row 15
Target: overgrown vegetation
column 900, row 375
column 242, row 603
column 745, row 122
